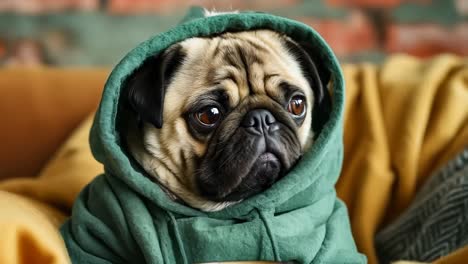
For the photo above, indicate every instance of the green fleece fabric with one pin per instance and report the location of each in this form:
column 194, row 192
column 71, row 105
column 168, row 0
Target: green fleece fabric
column 124, row 217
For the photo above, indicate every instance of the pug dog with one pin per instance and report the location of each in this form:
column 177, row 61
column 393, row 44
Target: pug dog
column 215, row 120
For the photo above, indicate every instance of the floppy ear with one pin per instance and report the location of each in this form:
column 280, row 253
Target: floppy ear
column 318, row 77
column 146, row 87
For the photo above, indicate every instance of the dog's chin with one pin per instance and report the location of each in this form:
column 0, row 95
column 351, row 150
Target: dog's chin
column 265, row 171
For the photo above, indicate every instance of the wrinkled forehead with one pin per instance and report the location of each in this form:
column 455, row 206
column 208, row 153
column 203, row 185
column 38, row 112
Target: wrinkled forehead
column 243, row 64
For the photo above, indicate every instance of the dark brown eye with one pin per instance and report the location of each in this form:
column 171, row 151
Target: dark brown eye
column 297, row 106
column 208, row 116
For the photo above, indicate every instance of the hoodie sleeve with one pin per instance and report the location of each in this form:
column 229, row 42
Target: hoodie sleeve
column 101, row 228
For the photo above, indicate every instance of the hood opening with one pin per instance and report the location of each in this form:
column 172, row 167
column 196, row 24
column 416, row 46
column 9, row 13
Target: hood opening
column 109, row 148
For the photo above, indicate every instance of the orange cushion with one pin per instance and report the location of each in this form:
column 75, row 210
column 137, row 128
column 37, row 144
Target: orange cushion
column 39, row 107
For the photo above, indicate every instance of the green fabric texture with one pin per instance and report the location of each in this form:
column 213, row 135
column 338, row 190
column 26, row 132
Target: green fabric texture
column 124, row 217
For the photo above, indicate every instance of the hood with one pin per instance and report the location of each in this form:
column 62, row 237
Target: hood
column 317, row 171
column 124, row 217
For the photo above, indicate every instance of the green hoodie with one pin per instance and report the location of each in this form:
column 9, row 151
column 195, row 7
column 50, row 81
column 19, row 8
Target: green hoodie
column 124, row 217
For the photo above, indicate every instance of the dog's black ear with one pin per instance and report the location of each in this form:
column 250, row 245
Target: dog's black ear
column 146, row 87
column 318, row 76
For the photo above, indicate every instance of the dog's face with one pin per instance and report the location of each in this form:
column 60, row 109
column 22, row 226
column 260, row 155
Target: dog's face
column 223, row 118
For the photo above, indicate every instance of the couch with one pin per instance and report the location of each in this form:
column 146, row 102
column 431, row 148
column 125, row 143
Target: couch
column 403, row 120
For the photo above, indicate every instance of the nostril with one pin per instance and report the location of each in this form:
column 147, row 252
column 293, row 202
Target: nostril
column 250, row 120
column 269, row 118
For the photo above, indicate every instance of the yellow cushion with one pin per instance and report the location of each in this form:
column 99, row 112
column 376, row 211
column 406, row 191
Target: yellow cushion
column 32, row 209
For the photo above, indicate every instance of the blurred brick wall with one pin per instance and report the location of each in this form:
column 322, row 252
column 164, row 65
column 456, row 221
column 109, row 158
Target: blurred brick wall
column 100, row 32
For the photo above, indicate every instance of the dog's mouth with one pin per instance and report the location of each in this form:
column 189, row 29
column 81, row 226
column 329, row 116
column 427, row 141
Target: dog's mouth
column 269, row 161
column 265, row 170
column 267, row 164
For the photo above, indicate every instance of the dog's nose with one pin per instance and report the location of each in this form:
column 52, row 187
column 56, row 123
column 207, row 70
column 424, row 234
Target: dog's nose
column 259, row 121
